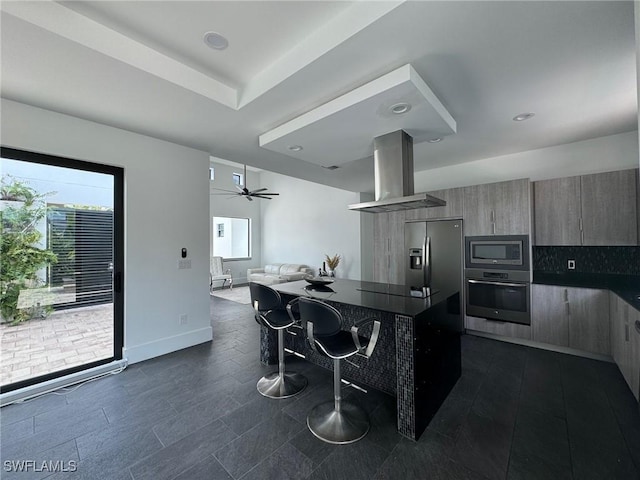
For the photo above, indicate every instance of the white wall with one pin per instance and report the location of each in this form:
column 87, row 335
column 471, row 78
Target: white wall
column 223, row 206
column 307, row 221
column 166, row 208
column 636, row 11
column 603, row 154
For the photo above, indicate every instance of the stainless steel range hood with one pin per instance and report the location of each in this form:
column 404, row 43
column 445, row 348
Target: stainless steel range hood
column 393, row 174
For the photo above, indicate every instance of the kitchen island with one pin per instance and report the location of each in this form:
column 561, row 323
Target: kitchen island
column 417, row 358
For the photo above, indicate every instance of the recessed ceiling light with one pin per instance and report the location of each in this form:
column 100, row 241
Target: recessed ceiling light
column 215, row 41
column 523, row 116
column 400, row 108
column 294, row 148
column 435, row 140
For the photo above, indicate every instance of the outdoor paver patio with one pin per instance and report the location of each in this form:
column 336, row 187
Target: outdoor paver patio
column 64, row 339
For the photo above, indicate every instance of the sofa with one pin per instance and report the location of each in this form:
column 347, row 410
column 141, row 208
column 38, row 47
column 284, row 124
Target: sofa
column 278, row 273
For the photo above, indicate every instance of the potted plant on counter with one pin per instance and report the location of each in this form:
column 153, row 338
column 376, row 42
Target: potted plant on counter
column 332, row 263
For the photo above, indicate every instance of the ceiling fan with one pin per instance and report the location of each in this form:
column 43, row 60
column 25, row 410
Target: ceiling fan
column 245, row 192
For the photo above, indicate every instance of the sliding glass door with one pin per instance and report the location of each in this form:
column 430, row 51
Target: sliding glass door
column 61, row 300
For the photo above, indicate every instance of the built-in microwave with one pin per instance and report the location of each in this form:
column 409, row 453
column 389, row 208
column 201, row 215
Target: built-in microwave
column 504, row 252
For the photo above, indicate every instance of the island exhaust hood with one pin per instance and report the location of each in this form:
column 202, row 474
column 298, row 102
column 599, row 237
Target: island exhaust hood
column 393, row 175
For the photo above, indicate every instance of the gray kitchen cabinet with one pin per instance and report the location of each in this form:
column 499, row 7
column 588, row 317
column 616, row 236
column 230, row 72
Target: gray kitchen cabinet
column 502, row 208
column 609, row 208
column 478, row 210
column 549, row 314
column 388, row 247
column 381, row 247
column 557, row 211
column 588, row 310
column 571, row 317
column 635, row 352
column 625, row 341
column 597, row 209
column 504, row 329
column 397, row 255
column 453, row 208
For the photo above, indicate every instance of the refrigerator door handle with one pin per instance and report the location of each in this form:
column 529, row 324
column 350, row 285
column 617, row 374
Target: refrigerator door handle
column 426, row 252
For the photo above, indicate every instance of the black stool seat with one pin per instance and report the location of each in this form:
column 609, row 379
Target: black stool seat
column 277, row 319
column 270, row 313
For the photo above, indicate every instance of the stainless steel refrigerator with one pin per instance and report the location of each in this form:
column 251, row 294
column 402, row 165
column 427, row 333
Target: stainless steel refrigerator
column 433, row 259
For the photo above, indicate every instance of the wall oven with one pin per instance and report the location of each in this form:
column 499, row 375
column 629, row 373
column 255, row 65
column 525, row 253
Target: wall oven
column 498, row 278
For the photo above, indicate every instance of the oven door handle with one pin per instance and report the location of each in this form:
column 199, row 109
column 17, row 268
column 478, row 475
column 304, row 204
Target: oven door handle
column 504, row 284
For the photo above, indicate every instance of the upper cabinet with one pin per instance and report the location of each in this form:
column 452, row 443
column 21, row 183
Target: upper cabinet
column 453, row 208
column 598, row 209
column 502, row 208
column 557, row 211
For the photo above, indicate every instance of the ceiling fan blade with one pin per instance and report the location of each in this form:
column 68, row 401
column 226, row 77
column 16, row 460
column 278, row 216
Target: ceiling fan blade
column 239, row 188
column 248, row 197
column 260, row 196
column 259, row 190
column 222, row 190
column 266, row 193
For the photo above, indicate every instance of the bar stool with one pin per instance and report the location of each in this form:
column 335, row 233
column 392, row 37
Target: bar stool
column 336, row 421
column 270, row 313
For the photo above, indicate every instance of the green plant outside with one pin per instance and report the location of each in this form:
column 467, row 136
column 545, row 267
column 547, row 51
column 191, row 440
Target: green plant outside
column 20, row 257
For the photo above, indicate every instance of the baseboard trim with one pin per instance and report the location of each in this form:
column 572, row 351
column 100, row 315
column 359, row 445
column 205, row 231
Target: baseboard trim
column 542, row 346
column 139, row 353
column 57, row 383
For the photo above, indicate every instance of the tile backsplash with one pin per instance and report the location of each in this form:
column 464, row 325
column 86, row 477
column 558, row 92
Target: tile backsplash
column 621, row 260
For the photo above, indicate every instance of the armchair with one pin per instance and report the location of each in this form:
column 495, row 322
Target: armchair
column 218, row 272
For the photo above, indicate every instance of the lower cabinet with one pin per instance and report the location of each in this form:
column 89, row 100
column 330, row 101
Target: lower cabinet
column 589, row 320
column 550, row 314
column 571, row 317
column 505, row 329
column 625, row 341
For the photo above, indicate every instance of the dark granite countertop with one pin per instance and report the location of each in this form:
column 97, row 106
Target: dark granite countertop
column 626, row 287
column 377, row 296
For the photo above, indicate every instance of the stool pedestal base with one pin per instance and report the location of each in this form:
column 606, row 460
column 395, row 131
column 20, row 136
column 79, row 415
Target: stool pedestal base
column 276, row 386
column 348, row 425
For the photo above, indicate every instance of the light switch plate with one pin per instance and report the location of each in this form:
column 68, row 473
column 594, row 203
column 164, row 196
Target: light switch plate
column 184, row 264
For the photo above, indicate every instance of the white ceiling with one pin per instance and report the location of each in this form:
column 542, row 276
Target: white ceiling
column 143, row 66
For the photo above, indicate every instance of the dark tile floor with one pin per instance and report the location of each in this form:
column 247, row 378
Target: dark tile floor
column 516, row 413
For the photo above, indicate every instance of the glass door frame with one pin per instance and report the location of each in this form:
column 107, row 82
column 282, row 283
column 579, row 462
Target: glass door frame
column 118, row 254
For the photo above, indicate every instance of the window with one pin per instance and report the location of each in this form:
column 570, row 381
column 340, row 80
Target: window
column 212, row 174
column 232, row 237
column 237, row 179
column 69, row 254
